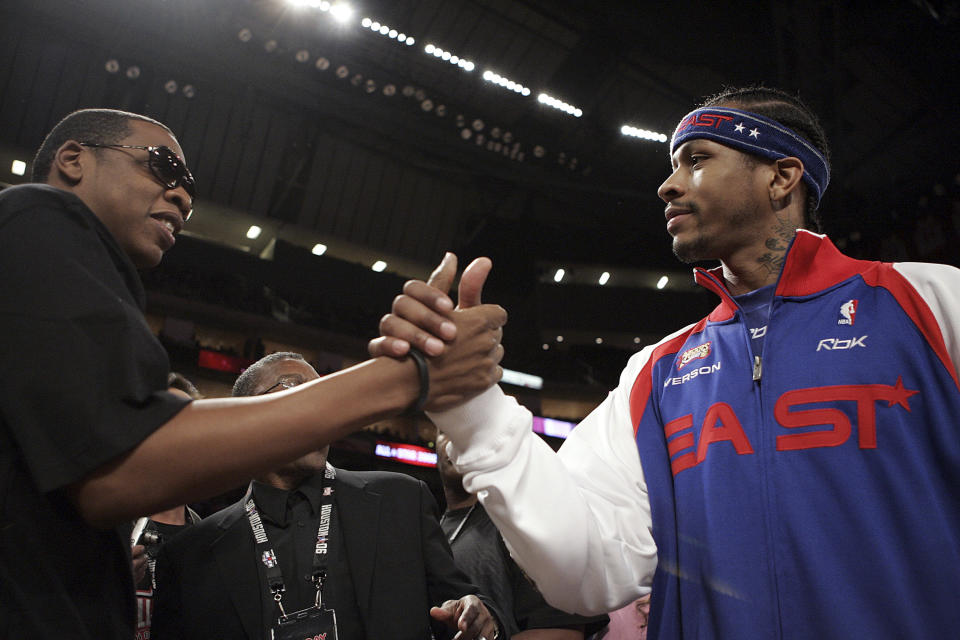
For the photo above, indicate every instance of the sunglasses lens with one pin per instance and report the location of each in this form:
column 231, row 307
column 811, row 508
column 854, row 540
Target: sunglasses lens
column 171, row 171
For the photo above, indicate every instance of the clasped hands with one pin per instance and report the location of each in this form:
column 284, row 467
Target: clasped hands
column 462, row 343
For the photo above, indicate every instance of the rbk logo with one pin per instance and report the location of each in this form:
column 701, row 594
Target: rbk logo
column 848, row 312
column 697, row 353
column 840, row 344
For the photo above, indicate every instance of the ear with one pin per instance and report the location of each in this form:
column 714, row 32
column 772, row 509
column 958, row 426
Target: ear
column 68, row 164
column 787, row 177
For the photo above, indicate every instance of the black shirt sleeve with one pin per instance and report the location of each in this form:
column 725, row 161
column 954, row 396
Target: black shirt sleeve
column 83, row 378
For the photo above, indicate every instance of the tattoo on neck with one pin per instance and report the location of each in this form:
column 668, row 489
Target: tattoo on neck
column 783, row 234
column 772, row 262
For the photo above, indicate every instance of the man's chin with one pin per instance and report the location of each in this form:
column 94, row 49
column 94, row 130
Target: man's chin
column 147, row 259
column 687, row 252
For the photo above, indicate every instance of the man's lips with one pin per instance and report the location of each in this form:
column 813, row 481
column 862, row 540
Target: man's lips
column 169, row 225
column 673, row 214
column 173, row 221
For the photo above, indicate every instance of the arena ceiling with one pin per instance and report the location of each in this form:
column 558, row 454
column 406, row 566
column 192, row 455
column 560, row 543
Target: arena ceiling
column 325, row 131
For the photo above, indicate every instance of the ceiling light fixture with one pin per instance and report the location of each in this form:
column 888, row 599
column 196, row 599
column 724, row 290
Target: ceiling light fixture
column 457, row 61
column 254, row 232
column 319, row 249
column 645, row 134
column 558, row 276
column 560, row 105
column 662, row 282
column 604, row 278
column 379, row 266
column 341, row 12
column 495, row 78
column 384, row 30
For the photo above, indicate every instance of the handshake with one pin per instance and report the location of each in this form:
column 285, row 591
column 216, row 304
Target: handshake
column 461, row 344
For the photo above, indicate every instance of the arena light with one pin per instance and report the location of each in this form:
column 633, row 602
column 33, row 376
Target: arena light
column 341, row 12
column 319, row 249
column 604, row 278
column 447, row 56
column 644, row 134
column 560, row 105
column 495, row 78
column 254, row 232
column 558, row 276
column 379, row 266
column 387, row 31
column 662, row 282
column 18, row 168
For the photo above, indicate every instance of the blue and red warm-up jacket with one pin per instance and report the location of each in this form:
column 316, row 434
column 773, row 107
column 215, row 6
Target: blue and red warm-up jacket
column 814, row 493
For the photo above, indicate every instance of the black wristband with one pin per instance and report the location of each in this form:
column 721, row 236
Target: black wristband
column 424, row 373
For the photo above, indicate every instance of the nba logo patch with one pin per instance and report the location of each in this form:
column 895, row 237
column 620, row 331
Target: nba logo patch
column 269, row 559
column 697, row 353
column 848, row 312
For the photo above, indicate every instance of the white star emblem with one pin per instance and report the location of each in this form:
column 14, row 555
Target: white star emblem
column 754, row 133
column 739, row 128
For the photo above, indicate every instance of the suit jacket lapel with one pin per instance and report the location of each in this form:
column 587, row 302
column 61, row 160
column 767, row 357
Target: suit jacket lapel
column 358, row 510
column 234, row 552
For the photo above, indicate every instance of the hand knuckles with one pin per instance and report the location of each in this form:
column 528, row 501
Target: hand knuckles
column 410, row 286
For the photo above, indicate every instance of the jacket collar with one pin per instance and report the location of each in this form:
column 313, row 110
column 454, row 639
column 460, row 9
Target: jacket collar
column 234, row 553
column 358, row 510
column 812, row 264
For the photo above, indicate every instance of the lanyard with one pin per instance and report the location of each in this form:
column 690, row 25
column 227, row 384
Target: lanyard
column 268, row 557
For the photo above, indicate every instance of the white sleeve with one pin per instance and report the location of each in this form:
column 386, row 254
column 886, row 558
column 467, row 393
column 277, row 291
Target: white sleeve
column 939, row 286
column 578, row 522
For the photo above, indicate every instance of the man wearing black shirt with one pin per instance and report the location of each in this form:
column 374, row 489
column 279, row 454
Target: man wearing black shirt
column 89, row 436
column 158, row 528
column 384, row 557
column 480, row 552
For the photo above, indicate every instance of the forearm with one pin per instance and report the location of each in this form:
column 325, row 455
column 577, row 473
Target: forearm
column 215, row 445
column 578, row 526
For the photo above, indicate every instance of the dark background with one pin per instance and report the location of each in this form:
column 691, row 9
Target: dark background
column 311, row 156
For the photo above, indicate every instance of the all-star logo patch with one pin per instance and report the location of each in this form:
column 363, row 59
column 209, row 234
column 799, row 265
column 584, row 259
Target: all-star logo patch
column 697, row 353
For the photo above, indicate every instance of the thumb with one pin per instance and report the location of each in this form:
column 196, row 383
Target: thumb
column 472, row 281
column 442, row 613
column 442, row 277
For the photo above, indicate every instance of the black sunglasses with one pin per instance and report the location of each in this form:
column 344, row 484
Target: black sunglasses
column 165, row 165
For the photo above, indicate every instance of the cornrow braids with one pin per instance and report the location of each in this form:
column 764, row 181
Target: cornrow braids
column 788, row 110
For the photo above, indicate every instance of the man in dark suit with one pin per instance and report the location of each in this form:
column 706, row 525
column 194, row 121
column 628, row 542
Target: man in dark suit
column 384, row 560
